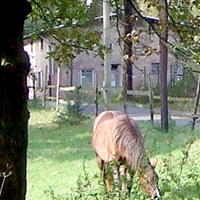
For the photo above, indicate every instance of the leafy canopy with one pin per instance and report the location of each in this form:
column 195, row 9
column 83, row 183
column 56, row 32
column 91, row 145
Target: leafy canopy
column 184, row 22
column 69, row 23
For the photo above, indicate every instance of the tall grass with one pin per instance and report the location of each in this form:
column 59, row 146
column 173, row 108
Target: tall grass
column 62, row 165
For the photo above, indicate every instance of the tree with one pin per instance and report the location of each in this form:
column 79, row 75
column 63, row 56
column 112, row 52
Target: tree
column 13, row 100
column 163, row 65
column 128, row 27
column 68, row 24
column 185, row 28
column 183, row 17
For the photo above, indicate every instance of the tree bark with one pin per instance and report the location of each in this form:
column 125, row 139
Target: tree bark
column 163, row 65
column 128, row 12
column 13, row 100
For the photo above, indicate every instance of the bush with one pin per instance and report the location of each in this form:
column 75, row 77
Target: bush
column 35, row 104
column 186, row 87
column 72, row 113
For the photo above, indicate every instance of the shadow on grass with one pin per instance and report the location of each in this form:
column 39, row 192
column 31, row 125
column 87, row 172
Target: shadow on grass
column 64, row 144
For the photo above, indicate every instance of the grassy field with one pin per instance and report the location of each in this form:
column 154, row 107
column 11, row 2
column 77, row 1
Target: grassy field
column 62, row 165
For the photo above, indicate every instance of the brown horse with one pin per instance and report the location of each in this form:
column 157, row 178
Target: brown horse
column 118, row 143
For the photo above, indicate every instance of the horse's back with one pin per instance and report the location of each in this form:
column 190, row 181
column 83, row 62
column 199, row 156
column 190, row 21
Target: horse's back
column 102, row 134
column 104, row 116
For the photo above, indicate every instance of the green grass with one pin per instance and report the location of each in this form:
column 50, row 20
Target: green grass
column 55, row 155
column 61, row 158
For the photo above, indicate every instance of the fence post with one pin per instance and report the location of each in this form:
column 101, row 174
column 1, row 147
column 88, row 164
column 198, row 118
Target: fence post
column 34, row 79
column 44, row 87
column 151, row 98
column 58, row 89
column 124, row 91
column 96, row 95
column 196, row 103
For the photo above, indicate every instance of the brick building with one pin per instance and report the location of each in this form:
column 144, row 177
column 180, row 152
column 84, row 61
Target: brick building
column 84, row 67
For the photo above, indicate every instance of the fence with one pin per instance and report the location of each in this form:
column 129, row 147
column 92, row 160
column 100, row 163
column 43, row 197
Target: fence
column 194, row 116
column 57, row 98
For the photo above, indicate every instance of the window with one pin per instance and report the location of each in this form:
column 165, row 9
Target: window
column 155, row 69
column 41, row 44
column 86, row 78
column 113, row 78
column 178, row 73
column 52, row 69
column 39, row 79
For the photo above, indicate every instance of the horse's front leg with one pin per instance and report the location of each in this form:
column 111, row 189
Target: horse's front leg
column 116, row 175
column 109, row 176
column 130, row 173
column 126, row 177
column 123, row 170
column 112, row 176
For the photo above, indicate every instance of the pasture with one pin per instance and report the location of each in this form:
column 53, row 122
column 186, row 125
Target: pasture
column 62, row 165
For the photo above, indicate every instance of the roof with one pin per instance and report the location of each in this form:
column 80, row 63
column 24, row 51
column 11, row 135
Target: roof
column 153, row 20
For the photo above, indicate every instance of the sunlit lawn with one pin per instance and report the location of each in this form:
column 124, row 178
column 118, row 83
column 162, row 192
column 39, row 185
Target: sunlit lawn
column 56, row 157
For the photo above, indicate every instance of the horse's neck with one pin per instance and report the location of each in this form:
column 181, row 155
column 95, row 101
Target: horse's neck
column 143, row 164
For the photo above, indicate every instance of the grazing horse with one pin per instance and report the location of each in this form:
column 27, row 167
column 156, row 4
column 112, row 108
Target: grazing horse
column 118, row 144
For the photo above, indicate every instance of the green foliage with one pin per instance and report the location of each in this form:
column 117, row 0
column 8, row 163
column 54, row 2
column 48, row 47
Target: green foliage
column 72, row 114
column 148, row 8
column 117, row 96
column 185, row 27
column 185, row 88
column 66, row 22
column 34, row 104
column 95, row 10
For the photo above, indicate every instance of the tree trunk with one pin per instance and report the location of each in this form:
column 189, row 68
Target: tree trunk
column 128, row 12
column 13, row 100
column 163, row 65
column 107, row 55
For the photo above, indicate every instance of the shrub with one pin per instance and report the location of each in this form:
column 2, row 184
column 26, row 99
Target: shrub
column 72, row 113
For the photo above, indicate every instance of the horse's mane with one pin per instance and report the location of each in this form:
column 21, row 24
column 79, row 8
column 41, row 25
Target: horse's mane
column 129, row 139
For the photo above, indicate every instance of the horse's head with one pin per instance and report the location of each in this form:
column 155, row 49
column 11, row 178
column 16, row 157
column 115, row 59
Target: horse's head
column 149, row 181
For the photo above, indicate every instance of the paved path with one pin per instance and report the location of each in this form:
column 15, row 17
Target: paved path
column 181, row 118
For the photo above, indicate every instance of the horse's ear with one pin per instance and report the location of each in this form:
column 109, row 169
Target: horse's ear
column 154, row 165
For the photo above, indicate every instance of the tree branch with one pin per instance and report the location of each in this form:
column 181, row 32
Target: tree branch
column 183, row 53
column 43, row 16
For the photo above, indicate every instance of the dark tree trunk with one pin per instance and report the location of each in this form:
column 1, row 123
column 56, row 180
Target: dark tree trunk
column 163, row 65
column 13, row 100
column 128, row 12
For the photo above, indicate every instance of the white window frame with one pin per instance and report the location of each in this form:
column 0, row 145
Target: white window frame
column 81, row 76
column 156, row 70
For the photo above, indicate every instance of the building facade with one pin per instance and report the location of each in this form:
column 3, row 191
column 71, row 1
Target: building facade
column 83, row 68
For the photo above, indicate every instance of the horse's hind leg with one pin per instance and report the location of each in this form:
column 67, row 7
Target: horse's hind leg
column 101, row 165
column 129, row 175
column 106, row 173
column 109, row 176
